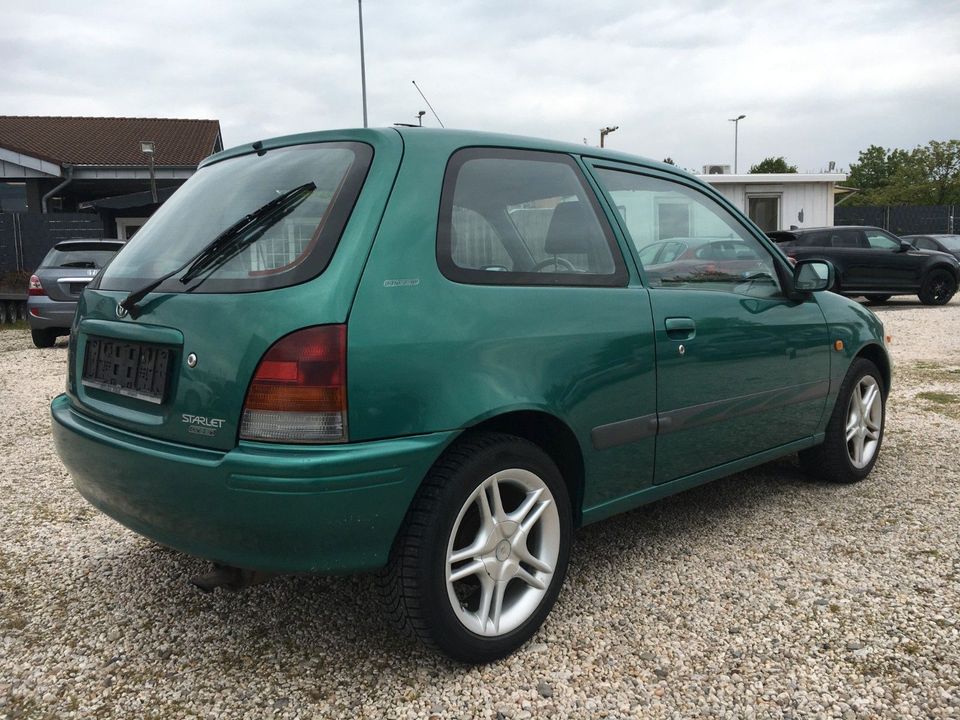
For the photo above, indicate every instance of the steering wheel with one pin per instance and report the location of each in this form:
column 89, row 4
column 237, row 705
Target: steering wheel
column 557, row 262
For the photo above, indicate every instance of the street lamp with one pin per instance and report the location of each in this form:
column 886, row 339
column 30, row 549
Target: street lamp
column 736, row 128
column 606, row 131
column 147, row 148
column 420, row 115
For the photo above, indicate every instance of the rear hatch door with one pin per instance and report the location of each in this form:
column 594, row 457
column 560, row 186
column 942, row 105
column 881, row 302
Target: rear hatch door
column 179, row 370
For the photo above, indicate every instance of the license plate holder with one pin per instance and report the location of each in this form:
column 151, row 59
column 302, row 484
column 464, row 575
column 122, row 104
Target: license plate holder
column 132, row 369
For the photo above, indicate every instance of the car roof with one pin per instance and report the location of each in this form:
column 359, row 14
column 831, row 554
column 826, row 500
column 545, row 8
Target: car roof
column 805, row 231
column 444, row 137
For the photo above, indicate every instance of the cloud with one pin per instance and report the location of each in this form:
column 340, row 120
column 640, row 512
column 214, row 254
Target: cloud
column 818, row 80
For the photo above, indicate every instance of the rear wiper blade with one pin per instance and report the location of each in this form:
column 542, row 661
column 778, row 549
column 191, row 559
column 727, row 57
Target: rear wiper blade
column 228, row 243
column 225, row 245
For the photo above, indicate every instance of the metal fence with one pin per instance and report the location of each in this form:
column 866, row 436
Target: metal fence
column 906, row 220
column 26, row 237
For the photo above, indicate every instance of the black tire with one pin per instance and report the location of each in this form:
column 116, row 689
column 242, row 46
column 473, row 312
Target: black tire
column 44, row 338
column 831, row 461
column 877, row 299
column 938, row 287
column 413, row 585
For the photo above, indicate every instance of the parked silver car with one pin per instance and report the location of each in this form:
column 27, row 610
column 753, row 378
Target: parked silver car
column 56, row 285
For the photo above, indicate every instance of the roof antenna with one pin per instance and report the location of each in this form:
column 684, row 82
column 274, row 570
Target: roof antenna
column 428, row 103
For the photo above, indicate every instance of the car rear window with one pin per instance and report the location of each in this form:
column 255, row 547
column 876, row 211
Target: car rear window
column 84, row 256
column 287, row 248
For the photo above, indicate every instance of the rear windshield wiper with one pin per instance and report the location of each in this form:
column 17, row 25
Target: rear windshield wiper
column 227, row 244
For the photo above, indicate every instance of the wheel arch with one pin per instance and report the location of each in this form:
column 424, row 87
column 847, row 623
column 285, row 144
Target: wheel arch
column 554, row 437
column 876, row 354
column 942, row 266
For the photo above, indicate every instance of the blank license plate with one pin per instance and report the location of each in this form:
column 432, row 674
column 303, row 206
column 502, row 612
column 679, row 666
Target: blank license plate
column 133, row 369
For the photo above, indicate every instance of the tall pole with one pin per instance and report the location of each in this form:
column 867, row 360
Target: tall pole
column 363, row 69
column 606, row 131
column 153, row 182
column 736, row 138
column 736, row 145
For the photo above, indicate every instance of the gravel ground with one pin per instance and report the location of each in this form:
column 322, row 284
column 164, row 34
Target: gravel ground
column 761, row 595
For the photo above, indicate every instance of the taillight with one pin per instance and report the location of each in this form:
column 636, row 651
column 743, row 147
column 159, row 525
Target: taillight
column 35, row 288
column 299, row 391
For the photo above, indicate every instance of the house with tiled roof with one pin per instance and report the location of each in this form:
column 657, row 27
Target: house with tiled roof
column 120, row 169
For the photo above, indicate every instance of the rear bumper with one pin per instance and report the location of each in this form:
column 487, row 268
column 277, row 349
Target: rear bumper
column 325, row 509
column 42, row 313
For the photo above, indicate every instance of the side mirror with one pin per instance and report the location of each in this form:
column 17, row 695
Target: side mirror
column 813, row 275
column 905, row 246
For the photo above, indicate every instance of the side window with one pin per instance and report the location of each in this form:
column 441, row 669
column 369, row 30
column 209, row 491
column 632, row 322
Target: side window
column 476, row 243
column 924, row 244
column 523, row 218
column 717, row 251
column 845, row 239
column 881, row 241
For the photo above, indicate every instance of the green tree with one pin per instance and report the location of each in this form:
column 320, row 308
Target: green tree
column 937, row 168
column 773, row 165
column 926, row 175
column 876, row 168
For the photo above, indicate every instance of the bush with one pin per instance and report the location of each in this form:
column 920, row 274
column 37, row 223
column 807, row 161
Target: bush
column 15, row 281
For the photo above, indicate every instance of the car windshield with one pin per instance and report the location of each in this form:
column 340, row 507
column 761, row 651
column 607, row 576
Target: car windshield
column 296, row 247
column 78, row 258
column 950, row 242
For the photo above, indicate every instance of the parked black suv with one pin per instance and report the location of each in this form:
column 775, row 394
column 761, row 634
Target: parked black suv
column 873, row 263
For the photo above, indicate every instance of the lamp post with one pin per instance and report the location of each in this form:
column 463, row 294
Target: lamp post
column 420, row 115
column 736, row 128
column 363, row 69
column 606, row 131
column 147, row 148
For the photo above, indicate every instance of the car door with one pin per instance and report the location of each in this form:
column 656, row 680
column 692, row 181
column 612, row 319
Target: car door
column 892, row 267
column 740, row 368
column 852, row 256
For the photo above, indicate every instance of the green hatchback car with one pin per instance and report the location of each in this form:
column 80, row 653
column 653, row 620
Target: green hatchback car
column 435, row 354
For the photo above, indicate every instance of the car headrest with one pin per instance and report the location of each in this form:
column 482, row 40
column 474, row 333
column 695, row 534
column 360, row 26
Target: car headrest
column 573, row 229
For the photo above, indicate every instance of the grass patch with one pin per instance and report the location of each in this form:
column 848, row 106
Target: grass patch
column 940, row 398
column 18, row 325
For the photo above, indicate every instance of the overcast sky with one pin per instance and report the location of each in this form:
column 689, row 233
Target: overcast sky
column 817, row 81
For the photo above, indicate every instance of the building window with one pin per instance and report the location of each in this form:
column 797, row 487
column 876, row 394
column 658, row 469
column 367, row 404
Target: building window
column 127, row 227
column 13, row 197
column 764, row 210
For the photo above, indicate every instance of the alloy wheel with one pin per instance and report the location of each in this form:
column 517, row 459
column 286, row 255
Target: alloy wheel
column 864, row 418
column 502, row 552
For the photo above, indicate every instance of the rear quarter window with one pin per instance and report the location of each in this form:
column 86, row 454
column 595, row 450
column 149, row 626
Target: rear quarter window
column 523, row 217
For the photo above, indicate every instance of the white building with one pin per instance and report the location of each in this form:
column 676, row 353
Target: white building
column 779, row 201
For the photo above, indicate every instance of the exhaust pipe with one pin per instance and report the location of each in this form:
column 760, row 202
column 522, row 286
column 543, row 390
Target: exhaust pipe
column 229, row 578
